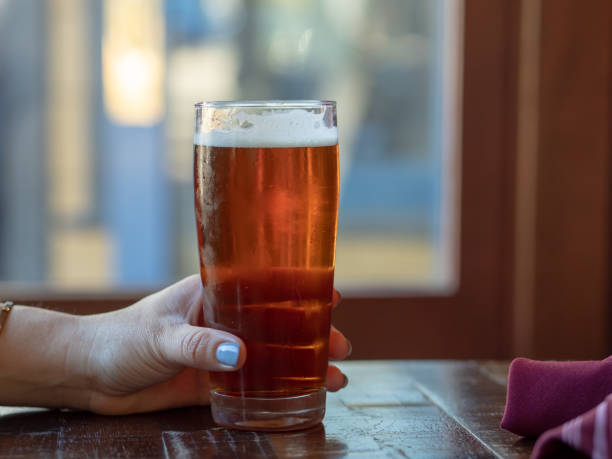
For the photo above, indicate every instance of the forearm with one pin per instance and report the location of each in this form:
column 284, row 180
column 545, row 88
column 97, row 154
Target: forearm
column 40, row 364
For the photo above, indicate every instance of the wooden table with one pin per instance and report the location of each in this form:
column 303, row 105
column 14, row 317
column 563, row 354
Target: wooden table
column 390, row 409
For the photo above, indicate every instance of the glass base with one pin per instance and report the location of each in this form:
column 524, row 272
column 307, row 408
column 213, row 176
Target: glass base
column 268, row 414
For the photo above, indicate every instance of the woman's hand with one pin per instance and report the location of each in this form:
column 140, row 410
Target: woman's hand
column 152, row 355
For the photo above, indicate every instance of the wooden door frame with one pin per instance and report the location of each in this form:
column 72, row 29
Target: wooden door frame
column 563, row 227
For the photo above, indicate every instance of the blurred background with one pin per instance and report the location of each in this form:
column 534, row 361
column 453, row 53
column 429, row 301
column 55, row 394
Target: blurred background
column 96, row 128
column 476, row 158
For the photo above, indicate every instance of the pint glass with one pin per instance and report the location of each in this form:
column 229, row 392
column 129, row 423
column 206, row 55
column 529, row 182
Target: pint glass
column 266, row 204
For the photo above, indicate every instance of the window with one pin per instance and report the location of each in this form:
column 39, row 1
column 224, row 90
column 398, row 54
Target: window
column 97, row 105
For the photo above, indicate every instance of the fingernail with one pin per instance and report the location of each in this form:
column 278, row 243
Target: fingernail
column 227, row 353
column 350, row 348
column 345, row 383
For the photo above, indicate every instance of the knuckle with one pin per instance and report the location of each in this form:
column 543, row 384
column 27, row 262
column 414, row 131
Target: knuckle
column 195, row 345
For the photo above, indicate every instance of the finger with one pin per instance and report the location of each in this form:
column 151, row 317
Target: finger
column 336, row 298
column 339, row 347
column 202, row 348
column 186, row 389
column 336, row 380
column 183, row 297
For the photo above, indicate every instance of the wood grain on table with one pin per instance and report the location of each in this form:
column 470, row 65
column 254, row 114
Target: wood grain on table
column 389, row 409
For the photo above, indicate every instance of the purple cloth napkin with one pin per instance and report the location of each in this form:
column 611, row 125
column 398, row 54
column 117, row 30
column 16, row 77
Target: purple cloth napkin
column 543, row 395
column 590, row 433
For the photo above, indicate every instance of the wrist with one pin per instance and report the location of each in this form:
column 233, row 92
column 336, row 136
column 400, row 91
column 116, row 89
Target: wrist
column 74, row 342
column 43, row 359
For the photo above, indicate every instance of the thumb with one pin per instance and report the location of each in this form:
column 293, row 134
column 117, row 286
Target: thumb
column 203, row 348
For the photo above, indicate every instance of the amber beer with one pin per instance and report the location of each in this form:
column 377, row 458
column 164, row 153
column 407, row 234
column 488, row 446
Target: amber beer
column 266, row 212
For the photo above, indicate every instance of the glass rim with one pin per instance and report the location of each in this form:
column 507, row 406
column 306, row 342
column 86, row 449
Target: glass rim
column 266, row 104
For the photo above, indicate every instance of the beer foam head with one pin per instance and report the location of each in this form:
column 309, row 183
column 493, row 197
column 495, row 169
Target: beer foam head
column 260, row 125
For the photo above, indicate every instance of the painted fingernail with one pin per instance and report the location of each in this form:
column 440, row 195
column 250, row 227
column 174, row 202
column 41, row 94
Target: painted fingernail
column 350, row 348
column 227, row 353
column 345, row 383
